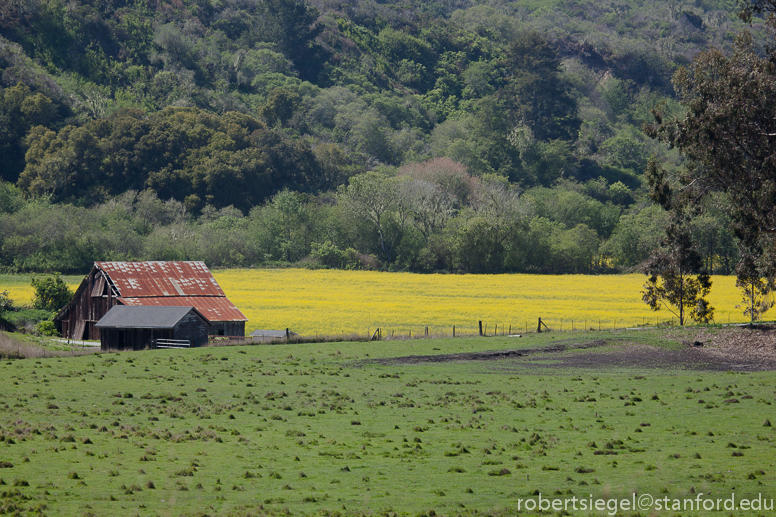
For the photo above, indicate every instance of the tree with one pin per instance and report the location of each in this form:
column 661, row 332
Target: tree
column 20, row 110
column 372, row 196
column 12, row 12
column 729, row 136
column 51, row 293
column 673, row 282
column 635, row 236
column 754, row 288
column 535, row 93
column 279, row 106
column 5, row 303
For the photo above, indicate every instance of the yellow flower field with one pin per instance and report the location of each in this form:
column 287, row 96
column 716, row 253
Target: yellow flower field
column 344, row 302
column 20, row 289
column 328, row 302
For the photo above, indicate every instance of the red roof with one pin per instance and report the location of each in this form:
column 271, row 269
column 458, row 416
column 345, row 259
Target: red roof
column 171, row 284
column 140, row 279
column 214, row 308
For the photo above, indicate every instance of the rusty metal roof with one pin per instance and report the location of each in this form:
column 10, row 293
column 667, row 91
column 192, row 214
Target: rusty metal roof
column 212, row 307
column 141, row 279
column 171, row 284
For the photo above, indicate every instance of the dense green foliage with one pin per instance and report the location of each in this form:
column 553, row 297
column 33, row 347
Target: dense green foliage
column 51, row 293
column 109, row 106
column 727, row 135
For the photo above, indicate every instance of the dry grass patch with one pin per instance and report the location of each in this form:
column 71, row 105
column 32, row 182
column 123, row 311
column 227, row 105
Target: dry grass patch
column 16, row 347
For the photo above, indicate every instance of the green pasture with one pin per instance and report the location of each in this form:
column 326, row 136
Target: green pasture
column 341, row 427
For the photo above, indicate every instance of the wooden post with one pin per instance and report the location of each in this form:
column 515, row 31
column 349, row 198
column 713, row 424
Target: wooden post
column 480, row 327
column 510, row 330
column 495, row 333
column 426, row 331
column 287, row 334
column 453, row 330
column 539, row 327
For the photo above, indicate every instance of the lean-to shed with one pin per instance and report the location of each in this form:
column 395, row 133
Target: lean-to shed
column 136, row 328
column 148, row 284
column 271, row 335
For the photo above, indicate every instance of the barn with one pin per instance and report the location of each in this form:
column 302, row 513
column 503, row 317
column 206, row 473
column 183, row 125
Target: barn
column 148, row 284
column 125, row 327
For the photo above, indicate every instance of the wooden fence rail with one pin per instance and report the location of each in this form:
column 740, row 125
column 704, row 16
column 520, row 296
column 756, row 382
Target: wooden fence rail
column 173, row 343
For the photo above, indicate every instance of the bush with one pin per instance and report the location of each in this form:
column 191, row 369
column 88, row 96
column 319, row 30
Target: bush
column 27, row 319
column 328, row 254
column 47, row 328
column 51, row 293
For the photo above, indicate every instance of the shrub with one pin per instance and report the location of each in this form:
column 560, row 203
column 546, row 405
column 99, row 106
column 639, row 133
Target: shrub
column 51, row 293
column 47, row 328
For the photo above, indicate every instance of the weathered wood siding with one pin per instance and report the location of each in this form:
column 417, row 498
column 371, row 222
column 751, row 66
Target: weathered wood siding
column 193, row 328
column 132, row 339
column 227, row 328
column 92, row 300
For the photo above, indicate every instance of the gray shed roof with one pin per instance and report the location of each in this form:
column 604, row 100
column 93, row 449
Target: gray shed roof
column 127, row 316
column 271, row 333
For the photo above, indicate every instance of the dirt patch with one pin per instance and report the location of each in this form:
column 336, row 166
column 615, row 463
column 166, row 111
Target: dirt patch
column 560, row 346
column 734, row 349
column 749, row 348
column 643, row 356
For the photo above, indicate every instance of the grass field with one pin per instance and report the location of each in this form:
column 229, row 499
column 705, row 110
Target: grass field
column 327, row 429
column 347, row 302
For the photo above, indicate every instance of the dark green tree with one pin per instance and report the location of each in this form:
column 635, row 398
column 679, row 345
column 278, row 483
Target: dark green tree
column 5, row 303
column 535, row 93
column 728, row 135
column 674, row 280
column 279, row 106
column 20, row 110
column 754, row 288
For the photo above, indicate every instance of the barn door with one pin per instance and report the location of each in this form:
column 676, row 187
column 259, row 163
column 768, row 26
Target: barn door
column 78, row 335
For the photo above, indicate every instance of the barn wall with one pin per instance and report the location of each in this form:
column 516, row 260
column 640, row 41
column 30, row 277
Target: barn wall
column 192, row 327
column 132, row 338
column 227, row 328
column 92, row 301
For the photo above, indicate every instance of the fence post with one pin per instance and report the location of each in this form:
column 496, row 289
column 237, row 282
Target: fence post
column 480, row 327
column 426, row 331
column 287, row 334
column 539, row 327
column 453, row 330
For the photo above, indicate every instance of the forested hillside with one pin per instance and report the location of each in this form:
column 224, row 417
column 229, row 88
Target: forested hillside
column 415, row 135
